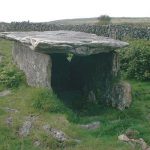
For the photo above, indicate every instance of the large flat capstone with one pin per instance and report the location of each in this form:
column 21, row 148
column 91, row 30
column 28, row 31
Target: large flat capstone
column 78, row 43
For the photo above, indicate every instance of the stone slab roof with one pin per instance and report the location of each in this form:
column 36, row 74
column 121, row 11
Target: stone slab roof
column 78, row 43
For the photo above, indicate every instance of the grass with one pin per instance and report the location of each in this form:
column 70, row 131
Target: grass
column 113, row 122
column 114, row 20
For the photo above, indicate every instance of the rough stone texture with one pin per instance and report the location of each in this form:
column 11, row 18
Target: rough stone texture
column 37, row 66
column 123, row 137
column 27, row 125
column 79, row 43
column 115, row 64
column 121, row 95
column 131, row 133
column 58, row 135
column 140, row 141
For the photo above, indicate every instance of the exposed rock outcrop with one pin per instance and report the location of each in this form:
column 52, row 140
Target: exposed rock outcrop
column 27, row 125
column 56, row 134
column 140, row 141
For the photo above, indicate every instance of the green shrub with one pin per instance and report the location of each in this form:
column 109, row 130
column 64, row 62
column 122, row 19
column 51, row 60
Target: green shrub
column 135, row 60
column 104, row 20
column 47, row 101
column 10, row 76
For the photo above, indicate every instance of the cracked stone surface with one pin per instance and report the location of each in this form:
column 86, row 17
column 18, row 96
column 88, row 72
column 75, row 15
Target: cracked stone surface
column 79, row 43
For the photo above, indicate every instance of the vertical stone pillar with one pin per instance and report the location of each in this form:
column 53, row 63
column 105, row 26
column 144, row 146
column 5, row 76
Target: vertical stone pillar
column 36, row 66
column 115, row 64
column 119, row 92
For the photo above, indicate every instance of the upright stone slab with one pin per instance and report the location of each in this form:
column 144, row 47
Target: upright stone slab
column 36, row 66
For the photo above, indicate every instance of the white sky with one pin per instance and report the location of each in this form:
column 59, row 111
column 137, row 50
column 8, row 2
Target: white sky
column 48, row 10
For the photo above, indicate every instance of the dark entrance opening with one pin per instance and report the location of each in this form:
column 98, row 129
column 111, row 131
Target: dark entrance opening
column 77, row 80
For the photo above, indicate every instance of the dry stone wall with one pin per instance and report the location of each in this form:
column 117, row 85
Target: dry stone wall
column 122, row 31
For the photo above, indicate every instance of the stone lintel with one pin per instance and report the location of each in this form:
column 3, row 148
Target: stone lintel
column 78, row 43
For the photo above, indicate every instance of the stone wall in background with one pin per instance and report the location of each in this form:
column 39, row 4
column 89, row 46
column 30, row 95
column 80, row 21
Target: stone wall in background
column 122, row 31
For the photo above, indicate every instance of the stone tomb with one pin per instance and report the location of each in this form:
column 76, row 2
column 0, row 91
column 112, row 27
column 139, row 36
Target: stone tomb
column 69, row 61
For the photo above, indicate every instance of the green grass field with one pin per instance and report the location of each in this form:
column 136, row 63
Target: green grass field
column 113, row 122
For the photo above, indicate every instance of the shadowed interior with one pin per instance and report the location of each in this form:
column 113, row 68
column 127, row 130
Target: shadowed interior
column 82, row 75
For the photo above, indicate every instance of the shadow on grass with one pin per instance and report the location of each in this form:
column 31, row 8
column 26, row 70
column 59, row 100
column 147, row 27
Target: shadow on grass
column 81, row 108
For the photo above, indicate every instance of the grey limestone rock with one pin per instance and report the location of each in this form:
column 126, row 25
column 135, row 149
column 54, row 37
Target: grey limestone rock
column 121, row 95
column 36, row 66
column 140, row 141
column 78, row 43
column 56, row 134
column 27, row 125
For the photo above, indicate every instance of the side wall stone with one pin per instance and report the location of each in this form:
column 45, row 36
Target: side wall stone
column 36, row 66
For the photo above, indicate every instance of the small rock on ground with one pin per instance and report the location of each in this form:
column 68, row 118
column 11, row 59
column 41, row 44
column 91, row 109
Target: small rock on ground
column 140, row 141
column 123, row 137
column 9, row 121
column 93, row 125
column 131, row 133
column 37, row 143
column 11, row 110
column 58, row 135
column 25, row 129
column 27, row 125
column 5, row 93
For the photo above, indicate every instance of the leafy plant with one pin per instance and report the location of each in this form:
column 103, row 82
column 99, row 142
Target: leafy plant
column 135, row 60
column 10, row 76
